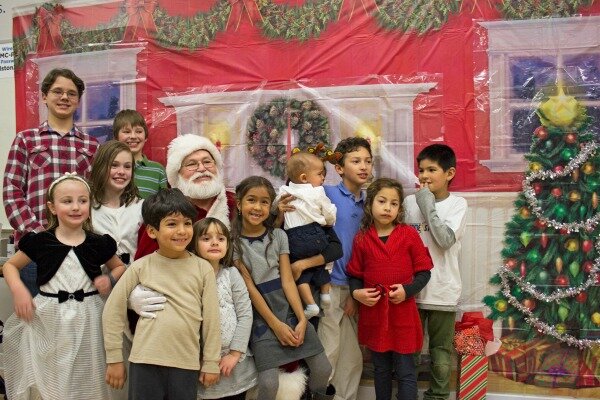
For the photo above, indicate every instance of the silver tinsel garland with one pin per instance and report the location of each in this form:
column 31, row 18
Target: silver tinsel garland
column 558, row 294
column 590, row 224
column 541, row 326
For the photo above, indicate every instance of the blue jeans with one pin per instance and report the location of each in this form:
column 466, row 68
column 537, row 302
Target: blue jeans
column 388, row 364
column 29, row 278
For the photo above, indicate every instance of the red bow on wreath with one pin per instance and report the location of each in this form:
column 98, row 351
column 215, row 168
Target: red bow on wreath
column 237, row 11
column 49, row 20
column 140, row 13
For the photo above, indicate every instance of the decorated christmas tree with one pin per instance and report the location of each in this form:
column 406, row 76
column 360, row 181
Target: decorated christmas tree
column 551, row 255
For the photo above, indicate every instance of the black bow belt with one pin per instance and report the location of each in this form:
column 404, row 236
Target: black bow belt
column 63, row 295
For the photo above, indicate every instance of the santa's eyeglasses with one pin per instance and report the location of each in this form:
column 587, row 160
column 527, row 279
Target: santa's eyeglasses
column 195, row 165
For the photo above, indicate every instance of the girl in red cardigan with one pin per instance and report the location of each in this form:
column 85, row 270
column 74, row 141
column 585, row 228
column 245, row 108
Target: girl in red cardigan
column 389, row 264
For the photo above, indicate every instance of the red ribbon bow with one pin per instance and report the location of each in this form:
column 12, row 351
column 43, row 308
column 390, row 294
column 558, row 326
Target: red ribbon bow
column 237, row 11
column 476, row 318
column 50, row 35
column 140, row 13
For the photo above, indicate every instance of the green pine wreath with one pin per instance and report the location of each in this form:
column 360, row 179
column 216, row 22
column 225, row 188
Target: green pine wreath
column 269, row 123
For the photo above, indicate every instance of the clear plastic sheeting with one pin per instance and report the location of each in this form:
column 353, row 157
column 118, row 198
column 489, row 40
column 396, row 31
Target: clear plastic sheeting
column 259, row 128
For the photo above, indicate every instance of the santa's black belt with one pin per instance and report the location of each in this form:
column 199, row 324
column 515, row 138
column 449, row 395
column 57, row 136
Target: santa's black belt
column 63, row 295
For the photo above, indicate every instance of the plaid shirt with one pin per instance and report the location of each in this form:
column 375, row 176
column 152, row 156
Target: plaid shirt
column 36, row 158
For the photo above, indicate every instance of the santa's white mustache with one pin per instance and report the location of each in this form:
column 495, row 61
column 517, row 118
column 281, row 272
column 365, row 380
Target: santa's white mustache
column 201, row 175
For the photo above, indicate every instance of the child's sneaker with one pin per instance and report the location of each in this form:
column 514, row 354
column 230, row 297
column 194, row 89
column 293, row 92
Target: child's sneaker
column 311, row 310
column 325, row 300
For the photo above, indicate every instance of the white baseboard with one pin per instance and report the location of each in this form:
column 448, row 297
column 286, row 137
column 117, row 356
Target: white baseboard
column 368, row 393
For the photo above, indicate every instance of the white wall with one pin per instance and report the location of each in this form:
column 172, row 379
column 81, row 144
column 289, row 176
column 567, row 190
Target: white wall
column 7, row 88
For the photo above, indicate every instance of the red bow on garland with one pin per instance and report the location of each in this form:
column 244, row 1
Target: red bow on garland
column 237, row 11
column 49, row 20
column 367, row 5
column 140, row 13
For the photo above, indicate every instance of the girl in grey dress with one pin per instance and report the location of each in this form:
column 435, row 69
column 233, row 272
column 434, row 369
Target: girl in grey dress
column 280, row 331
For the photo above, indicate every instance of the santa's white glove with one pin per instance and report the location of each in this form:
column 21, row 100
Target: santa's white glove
column 145, row 301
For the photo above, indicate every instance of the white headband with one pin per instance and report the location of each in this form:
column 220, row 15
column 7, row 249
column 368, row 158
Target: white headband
column 69, row 175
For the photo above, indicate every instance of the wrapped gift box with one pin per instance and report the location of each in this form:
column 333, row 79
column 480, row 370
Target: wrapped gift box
column 560, row 368
column 472, row 377
column 591, row 358
column 586, row 377
column 518, row 359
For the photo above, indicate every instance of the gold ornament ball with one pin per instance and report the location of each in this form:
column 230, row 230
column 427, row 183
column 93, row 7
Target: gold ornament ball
column 587, row 168
column 500, row 305
column 572, row 245
column 596, row 318
column 561, row 329
column 574, row 196
column 535, row 166
column 525, row 213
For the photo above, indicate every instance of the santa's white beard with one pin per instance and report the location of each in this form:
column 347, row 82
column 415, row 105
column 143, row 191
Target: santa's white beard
column 202, row 190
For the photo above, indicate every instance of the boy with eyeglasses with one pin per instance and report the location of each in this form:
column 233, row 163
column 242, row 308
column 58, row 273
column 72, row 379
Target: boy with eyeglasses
column 130, row 128
column 40, row 155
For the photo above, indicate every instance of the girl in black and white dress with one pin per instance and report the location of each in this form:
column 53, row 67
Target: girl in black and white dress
column 53, row 343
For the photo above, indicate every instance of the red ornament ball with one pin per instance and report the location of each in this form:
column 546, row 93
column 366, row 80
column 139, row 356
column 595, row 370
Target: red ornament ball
column 561, row 280
column 529, row 303
column 541, row 225
column 587, row 245
column 559, row 169
column 581, row 297
column 537, row 188
column 511, row 263
column 587, row 266
column 556, row 192
column 571, row 138
column 541, row 132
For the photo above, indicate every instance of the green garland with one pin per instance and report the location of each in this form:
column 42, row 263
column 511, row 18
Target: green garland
column 301, row 23
column 419, row 16
column 269, row 123
column 194, row 32
column 101, row 37
column 280, row 22
column 25, row 44
column 532, row 9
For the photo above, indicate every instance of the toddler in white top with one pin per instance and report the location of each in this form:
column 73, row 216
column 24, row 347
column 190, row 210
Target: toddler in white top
column 304, row 226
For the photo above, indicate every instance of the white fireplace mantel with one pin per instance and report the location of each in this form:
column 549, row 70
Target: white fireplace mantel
column 391, row 105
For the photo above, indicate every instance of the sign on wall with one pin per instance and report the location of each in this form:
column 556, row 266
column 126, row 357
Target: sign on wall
column 7, row 65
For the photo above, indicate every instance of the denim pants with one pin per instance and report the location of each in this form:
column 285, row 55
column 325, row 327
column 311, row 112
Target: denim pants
column 389, row 364
column 440, row 329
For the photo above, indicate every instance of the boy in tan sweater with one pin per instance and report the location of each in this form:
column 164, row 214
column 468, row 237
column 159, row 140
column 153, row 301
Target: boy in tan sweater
column 165, row 357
